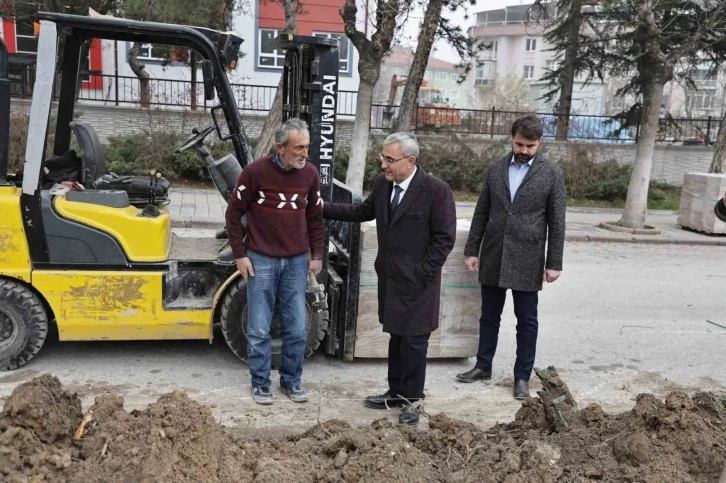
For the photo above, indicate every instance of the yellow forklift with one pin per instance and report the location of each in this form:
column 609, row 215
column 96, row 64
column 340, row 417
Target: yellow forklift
column 99, row 263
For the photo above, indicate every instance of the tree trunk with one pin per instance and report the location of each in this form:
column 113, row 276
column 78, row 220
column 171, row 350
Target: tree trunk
column 636, row 202
column 718, row 165
column 140, row 72
column 359, row 142
column 418, row 67
column 193, row 65
column 567, row 74
column 274, row 116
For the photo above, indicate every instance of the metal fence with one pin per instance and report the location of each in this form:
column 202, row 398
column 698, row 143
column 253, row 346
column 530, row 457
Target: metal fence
column 172, row 93
column 603, row 129
column 181, row 94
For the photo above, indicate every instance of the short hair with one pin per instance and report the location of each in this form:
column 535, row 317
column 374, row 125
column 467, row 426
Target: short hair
column 293, row 124
column 407, row 142
column 528, row 126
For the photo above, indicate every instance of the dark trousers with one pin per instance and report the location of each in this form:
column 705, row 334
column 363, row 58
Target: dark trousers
column 407, row 365
column 525, row 308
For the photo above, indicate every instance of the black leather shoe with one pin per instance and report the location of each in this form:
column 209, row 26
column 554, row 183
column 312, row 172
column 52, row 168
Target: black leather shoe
column 521, row 389
column 410, row 415
column 475, row 374
column 384, row 401
column 221, row 234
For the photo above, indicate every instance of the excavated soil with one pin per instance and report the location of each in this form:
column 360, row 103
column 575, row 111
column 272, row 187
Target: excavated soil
column 44, row 436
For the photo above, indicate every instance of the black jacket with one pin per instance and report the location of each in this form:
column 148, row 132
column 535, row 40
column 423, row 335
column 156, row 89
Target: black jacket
column 412, row 249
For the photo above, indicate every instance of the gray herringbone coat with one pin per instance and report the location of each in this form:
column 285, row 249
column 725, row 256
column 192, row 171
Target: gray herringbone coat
column 509, row 237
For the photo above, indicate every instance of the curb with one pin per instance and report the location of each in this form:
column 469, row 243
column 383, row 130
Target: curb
column 641, row 240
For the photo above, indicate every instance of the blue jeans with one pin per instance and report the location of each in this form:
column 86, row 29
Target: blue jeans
column 284, row 279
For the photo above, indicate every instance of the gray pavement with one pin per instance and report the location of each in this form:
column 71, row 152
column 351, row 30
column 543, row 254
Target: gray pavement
column 623, row 319
column 198, row 208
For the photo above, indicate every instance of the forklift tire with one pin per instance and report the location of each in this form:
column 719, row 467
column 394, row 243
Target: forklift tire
column 23, row 325
column 233, row 319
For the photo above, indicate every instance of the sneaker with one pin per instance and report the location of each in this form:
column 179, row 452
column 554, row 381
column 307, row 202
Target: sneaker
column 296, row 394
column 262, row 395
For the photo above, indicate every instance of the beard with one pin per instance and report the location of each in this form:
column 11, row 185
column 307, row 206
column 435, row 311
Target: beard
column 522, row 158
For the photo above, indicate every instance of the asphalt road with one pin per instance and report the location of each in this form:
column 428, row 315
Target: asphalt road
column 623, row 319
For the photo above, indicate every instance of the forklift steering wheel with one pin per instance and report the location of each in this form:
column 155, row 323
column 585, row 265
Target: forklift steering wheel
column 197, row 138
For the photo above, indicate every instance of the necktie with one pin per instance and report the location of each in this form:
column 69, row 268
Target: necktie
column 396, row 198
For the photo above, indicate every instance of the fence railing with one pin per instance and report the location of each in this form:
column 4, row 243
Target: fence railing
column 606, row 129
column 173, row 93
column 181, row 94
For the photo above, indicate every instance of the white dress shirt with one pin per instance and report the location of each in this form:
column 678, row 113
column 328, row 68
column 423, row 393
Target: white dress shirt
column 404, row 186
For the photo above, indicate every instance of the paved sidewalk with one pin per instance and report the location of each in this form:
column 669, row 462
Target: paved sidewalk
column 199, row 208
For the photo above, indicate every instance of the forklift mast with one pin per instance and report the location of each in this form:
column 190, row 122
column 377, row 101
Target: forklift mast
column 310, row 93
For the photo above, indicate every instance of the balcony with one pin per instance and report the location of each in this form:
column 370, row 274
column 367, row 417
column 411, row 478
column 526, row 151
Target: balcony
column 487, row 56
column 483, row 82
column 706, row 83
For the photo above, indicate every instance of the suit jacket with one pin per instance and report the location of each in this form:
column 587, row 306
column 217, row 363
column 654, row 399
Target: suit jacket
column 509, row 237
column 412, row 249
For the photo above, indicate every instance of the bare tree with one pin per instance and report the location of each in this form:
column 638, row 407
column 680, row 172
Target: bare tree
column 509, row 92
column 434, row 26
column 370, row 52
column 426, row 39
column 274, row 116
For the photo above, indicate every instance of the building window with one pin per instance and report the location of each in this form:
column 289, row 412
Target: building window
column 443, row 93
column 344, row 49
column 441, row 76
column 552, row 65
column 268, row 55
column 454, row 94
column 26, row 41
column 454, row 77
column 428, row 75
column 153, row 52
column 529, row 72
column 701, row 101
column 531, row 45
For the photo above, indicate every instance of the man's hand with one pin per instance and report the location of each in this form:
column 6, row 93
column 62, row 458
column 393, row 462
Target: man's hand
column 315, row 266
column 551, row 275
column 244, row 265
column 472, row 263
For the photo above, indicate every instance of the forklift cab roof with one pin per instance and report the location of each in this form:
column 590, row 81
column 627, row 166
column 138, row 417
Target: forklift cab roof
column 219, row 50
column 211, row 44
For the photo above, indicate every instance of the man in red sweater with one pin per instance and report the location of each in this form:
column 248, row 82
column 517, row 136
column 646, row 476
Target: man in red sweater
column 282, row 243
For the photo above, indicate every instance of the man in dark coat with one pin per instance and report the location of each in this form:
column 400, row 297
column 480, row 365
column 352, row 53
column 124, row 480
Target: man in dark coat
column 521, row 207
column 416, row 225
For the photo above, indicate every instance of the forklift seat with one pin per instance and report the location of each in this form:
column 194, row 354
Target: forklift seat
column 93, row 172
column 93, row 157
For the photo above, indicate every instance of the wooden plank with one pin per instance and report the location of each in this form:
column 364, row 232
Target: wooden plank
column 460, row 304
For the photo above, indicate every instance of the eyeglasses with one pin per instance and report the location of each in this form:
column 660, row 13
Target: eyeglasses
column 389, row 160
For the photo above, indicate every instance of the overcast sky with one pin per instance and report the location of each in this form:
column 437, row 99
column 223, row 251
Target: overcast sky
column 443, row 50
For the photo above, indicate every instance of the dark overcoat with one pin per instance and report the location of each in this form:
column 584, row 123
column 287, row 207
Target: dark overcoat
column 510, row 237
column 412, row 249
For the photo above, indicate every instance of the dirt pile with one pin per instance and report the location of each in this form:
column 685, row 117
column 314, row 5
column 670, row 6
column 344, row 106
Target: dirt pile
column 44, row 436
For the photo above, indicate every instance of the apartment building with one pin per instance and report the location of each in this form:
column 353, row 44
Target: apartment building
column 516, row 59
column 440, row 75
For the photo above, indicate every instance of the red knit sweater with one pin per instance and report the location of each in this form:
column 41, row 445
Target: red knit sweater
column 284, row 211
